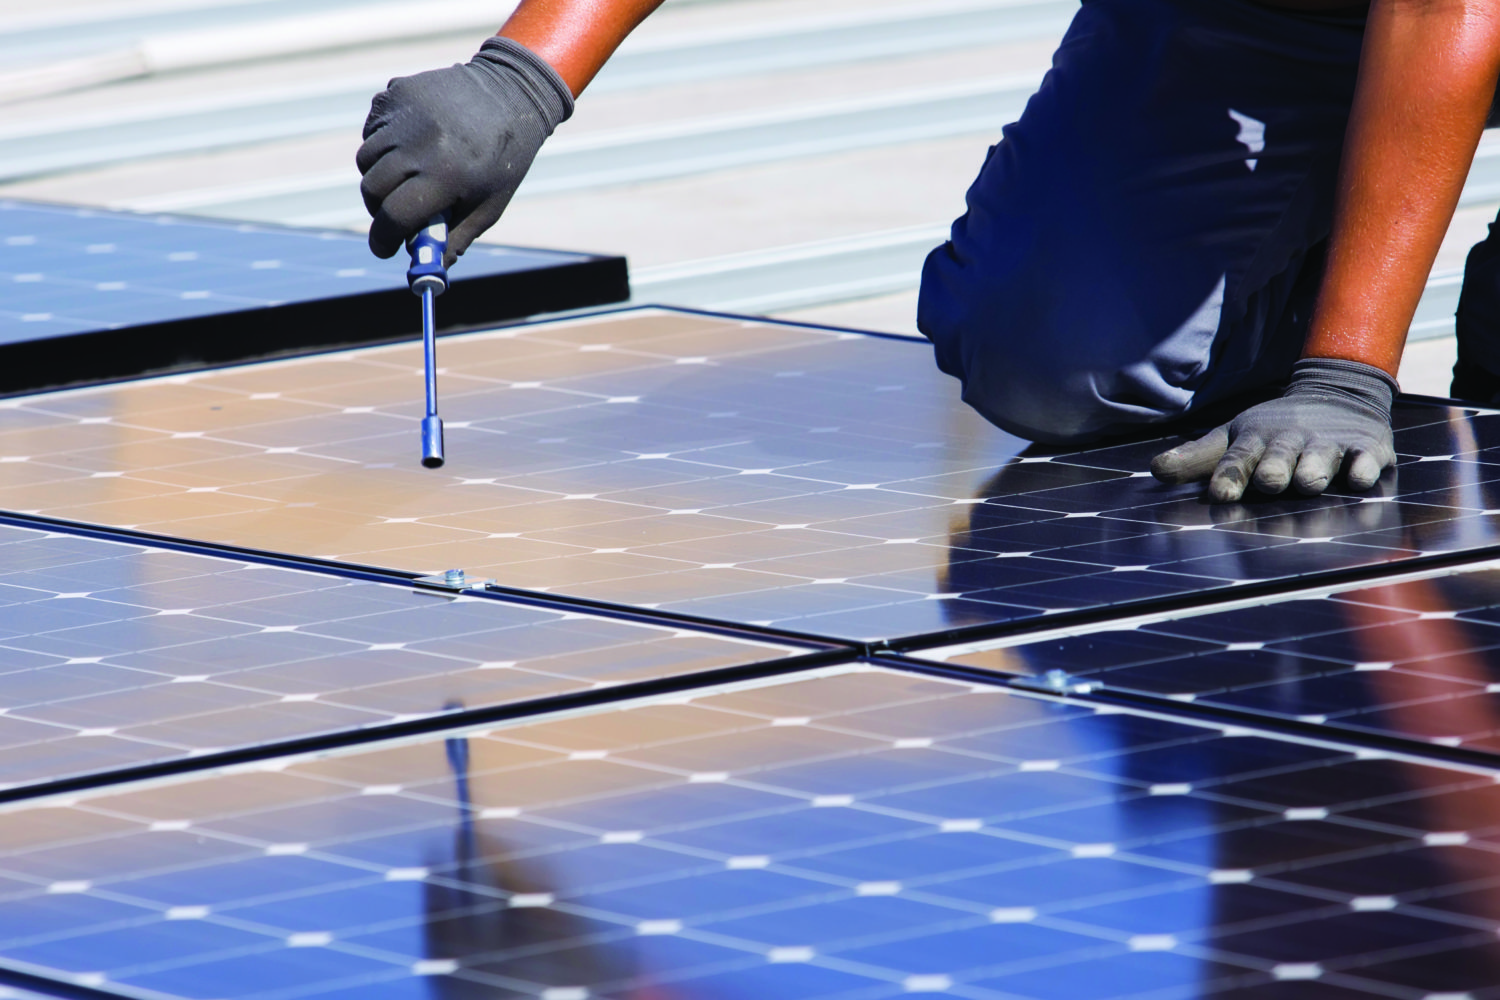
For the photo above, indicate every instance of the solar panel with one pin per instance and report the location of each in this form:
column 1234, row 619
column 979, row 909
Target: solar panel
column 115, row 655
column 233, row 774
column 856, row 834
column 808, row 479
column 93, row 295
column 1415, row 658
column 19, row 993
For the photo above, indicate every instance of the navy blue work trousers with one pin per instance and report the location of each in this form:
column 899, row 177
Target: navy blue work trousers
column 1148, row 238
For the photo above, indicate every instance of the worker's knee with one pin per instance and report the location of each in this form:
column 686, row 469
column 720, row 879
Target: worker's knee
column 1056, row 374
column 1047, row 398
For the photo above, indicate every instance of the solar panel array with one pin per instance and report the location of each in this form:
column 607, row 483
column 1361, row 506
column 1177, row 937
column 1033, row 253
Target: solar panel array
column 1416, row 658
column 805, row 479
column 794, row 679
column 836, row 856
column 119, row 654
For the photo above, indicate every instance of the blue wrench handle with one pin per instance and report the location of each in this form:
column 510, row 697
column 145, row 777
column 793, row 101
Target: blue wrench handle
column 427, row 249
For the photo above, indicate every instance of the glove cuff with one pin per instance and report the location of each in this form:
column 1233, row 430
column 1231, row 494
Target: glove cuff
column 553, row 99
column 1353, row 382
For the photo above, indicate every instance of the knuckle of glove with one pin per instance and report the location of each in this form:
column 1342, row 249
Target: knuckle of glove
column 379, row 115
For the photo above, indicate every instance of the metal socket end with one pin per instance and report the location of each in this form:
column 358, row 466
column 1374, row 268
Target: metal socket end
column 432, row 442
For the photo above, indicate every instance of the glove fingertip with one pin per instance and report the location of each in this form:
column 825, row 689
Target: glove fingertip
column 381, row 250
column 1221, row 490
column 1272, row 482
column 1167, row 467
column 1191, row 460
column 1364, row 471
column 470, row 225
column 1315, row 472
column 1228, row 482
column 1313, row 482
column 458, row 243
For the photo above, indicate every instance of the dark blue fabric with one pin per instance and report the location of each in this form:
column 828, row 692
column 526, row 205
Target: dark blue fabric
column 1477, row 322
column 1127, row 256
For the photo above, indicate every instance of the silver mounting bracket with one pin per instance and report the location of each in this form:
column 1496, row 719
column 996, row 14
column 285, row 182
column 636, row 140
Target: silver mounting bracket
column 1056, row 682
column 451, row 580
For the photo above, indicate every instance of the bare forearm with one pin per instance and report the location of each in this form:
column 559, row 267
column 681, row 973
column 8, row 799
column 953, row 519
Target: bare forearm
column 1427, row 77
column 576, row 36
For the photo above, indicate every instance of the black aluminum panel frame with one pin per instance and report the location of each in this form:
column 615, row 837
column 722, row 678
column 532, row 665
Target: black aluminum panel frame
column 297, row 328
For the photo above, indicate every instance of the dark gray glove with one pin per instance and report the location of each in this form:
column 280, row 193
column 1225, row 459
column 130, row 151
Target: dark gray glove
column 1331, row 411
column 458, row 140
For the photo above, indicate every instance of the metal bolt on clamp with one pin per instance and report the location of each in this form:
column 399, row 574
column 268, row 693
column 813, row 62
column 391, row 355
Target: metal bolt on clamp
column 451, row 579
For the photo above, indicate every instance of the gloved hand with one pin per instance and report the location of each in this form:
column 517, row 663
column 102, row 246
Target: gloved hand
column 1332, row 410
column 458, row 139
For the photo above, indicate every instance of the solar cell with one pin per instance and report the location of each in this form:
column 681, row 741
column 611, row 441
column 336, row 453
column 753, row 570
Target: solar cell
column 92, row 294
column 1413, row 658
column 114, row 655
column 790, row 839
column 19, row 993
column 819, row 481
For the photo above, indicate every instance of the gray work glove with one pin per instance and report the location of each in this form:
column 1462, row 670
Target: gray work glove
column 1332, row 412
column 458, row 140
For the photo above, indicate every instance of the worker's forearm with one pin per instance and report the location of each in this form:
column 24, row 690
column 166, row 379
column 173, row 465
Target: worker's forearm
column 576, row 36
column 1427, row 76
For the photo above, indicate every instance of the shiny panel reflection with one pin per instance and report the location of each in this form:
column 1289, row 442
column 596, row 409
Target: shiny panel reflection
column 857, row 834
column 1418, row 659
column 114, row 654
column 825, row 482
column 72, row 270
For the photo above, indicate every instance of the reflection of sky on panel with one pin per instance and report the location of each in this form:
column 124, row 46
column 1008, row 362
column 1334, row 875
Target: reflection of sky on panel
column 114, row 655
column 856, row 834
column 1418, row 659
column 70, row 270
column 772, row 474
